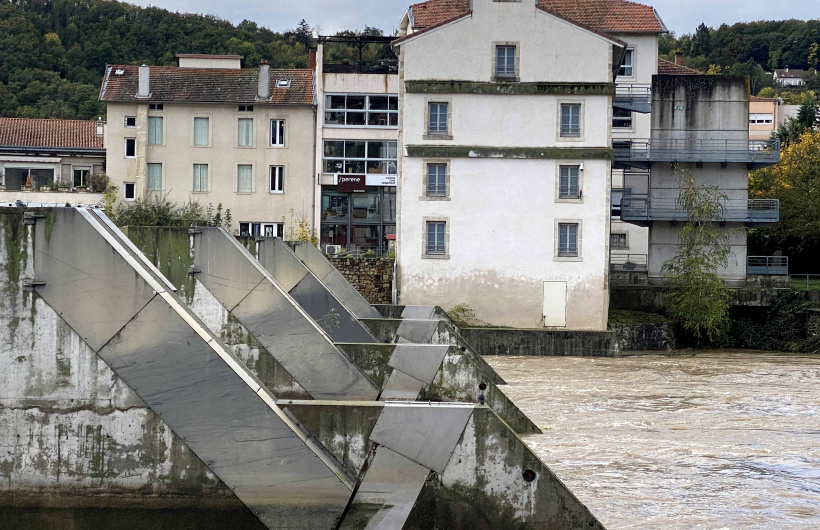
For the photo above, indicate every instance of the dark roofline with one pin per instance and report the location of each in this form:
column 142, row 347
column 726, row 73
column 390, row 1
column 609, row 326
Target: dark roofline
column 92, row 151
column 358, row 39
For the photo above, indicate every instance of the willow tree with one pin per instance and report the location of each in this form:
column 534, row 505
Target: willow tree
column 698, row 299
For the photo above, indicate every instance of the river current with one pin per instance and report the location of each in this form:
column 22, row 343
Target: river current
column 712, row 440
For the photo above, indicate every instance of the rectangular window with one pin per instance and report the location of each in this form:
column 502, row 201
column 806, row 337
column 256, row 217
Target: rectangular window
column 277, row 179
column 277, row 133
column 155, row 106
column 505, row 61
column 436, row 245
column 130, row 148
column 617, row 241
column 129, row 191
column 244, row 178
column 154, row 177
column 245, row 108
column 761, row 118
column 155, row 130
column 130, row 121
column 568, row 187
column 436, row 180
column 201, row 131
column 201, row 177
column 437, row 119
column 245, row 138
column 81, row 176
column 621, row 118
column 571, row 120
column 356, row 156
column 627, row 64
column 361, row 111
column 567, row 239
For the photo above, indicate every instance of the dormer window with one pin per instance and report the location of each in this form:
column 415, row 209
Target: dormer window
column 283, row 83
column 245, row 108
column 155, row 106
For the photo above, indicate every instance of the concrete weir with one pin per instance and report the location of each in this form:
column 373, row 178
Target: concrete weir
column 123, row 390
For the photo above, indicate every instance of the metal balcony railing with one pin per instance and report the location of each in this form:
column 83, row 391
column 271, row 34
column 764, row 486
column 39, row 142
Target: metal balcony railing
column 637, row 98
column 767, row 265
column 628, row 262
column 363, row 67
column 756, row 153
column 644, row 209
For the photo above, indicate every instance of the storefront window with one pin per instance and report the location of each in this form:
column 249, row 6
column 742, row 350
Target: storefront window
column 358, row 222
column 334, row 206
column 355, row 156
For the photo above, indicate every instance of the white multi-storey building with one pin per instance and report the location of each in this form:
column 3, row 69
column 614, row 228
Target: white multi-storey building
column 505, row 161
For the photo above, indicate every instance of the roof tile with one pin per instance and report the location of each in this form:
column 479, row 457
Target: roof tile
column 67, row 134
column 670, row 68
column 207, row 85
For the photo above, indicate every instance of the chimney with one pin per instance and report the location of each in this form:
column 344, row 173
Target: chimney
column 263, row 90
column 678, row 57
column 312, row 59
column 144, row 90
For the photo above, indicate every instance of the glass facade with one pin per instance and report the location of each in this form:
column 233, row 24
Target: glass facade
column 358, row 222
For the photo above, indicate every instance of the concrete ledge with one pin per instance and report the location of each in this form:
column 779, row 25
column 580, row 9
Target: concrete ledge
column 560, row 343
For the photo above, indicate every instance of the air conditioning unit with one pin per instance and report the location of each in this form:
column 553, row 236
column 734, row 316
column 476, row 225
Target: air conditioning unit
column 333, row 250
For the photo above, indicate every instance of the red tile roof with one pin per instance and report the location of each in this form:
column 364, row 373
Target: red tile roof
column 756, row 98
column 207, row 85
column 670, row 68
column 66, row 134
column 608, row 16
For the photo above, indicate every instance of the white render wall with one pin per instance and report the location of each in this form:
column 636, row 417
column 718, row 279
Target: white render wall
column 177, row 154
column 502, row 212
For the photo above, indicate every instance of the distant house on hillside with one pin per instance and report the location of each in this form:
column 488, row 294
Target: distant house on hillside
column 789, row 77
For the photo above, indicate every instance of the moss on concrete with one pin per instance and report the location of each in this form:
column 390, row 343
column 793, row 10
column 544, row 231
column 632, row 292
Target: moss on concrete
column 372, row 359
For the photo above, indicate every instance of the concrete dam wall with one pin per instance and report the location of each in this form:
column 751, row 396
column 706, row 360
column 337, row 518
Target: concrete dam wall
column 188, row 372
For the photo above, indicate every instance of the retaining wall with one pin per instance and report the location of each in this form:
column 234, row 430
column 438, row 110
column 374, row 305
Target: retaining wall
column 372, row 277
column 560, row 343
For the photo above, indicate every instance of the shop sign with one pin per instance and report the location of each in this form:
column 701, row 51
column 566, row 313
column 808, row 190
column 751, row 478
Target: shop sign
column 380, row 179
column 351, row 183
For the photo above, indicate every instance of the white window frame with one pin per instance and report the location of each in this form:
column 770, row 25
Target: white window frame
column 628, row 69
column 153, row 119
column 761, row 118
column 259, row 228
column 276, row 179
column 83, row 179
column 569, row 135
column 437, row 132
column 125, row 187
column 126, row 120
column 560, row 196
column 195, row 184
column 624, row 119
column 511, row 72
column 208, row 139
column 426, row 222
column 392, row 114
column 277, row 133
column 125, row 148
column 425, row 192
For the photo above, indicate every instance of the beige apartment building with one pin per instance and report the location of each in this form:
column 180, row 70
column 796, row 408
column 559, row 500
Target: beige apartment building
column 211, row 131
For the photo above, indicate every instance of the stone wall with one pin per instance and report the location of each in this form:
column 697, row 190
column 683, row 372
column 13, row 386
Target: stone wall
column 642, row 337
column 372, row 277
column 542, row 342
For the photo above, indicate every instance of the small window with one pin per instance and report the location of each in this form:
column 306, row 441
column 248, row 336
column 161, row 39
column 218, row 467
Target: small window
column 436, row 245
column 81, row 176
column 277, row 179
column 200, row 178
column 567, row 239
column 130, row 148
column 436, row 180
column 569, row 187
column 201, row 131
column 627, row 64
column 244, row 229
column 505, row 61
column 571, row 120
column 437, row 122
column 155, row 106
column 129, row 191
column 245, row 128
column 245, row 108
column 273, row 229
column 283, row 83
column 277, row 133
column 154, row 177
column 761, row 118
column 244, row 178
column 155, row 130
column 621, row 118
column 618, row 241
column 130, row 122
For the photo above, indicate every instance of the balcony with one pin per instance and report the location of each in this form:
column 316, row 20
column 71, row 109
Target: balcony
column 361, row 67
column 642, row 210
column 628, row 262
column 637, row 98
column 640, row 153
column 767, row 265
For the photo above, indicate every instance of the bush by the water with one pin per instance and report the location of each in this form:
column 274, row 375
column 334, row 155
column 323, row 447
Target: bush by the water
column 784, row 327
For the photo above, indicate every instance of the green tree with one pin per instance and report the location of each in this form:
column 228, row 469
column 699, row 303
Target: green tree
column 698, row 299
column 794, row 128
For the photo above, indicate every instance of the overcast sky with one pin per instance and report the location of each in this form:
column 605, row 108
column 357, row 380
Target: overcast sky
column 680, row 16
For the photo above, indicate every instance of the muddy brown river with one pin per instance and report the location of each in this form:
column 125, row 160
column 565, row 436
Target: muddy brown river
column 715, row 440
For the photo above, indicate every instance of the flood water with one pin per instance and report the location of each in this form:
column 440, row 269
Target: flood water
column 714, row 440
